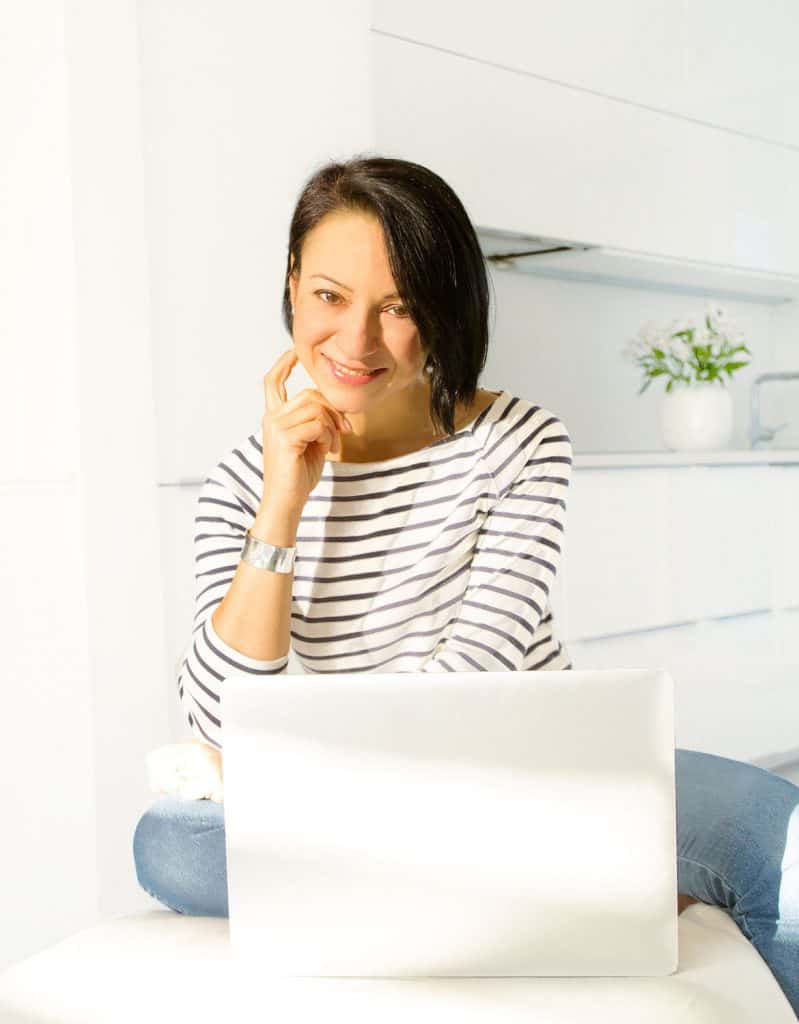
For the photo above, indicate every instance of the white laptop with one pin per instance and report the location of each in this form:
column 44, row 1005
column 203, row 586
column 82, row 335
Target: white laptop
column 484, row 824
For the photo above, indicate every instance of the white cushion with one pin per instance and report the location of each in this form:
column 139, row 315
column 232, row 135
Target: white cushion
column 156, row 963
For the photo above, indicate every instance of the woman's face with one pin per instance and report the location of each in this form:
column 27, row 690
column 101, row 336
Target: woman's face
column 346, row 310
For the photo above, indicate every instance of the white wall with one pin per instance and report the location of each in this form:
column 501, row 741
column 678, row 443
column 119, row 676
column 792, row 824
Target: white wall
column 46, row 686
column 560, row 343
column 80, row 615
column 122, row 544
column 780, row 400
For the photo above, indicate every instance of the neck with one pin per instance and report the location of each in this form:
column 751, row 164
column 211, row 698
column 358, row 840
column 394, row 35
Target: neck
column 399, row 424
column 401, row 419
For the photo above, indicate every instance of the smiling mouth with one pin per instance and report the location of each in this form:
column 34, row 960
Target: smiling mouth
column 353, row 373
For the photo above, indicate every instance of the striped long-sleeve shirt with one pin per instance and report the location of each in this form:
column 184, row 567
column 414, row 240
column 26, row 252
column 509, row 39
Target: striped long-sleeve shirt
column 439, row 560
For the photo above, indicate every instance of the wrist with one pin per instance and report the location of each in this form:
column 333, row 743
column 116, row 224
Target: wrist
column 276, row 526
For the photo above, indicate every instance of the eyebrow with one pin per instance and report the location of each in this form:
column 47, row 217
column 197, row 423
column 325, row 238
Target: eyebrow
column 392, row 295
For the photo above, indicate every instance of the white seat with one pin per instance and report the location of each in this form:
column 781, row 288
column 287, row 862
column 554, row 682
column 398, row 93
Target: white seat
column 158, row 962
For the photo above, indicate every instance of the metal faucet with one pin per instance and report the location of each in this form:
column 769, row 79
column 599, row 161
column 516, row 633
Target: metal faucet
column 758, row 434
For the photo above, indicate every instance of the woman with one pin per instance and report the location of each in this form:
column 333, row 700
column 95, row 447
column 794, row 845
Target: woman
column 403, row 519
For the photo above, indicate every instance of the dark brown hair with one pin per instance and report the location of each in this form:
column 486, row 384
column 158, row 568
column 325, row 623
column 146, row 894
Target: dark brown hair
column 435, row 259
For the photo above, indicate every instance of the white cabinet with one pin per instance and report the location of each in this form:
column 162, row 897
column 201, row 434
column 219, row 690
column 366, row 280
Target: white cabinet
column 733, row 66
column 694, row 569
column 617, row 571
column 717, row 530
column 783, row 501
column 652, row 548
column 531, row 154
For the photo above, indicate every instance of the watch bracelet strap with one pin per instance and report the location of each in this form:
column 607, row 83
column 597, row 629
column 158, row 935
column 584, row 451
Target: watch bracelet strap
column 263, row 555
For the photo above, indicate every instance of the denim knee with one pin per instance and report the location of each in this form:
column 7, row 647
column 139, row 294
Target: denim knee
column 737, row 833
column 770, row 826
column 150, row 850
column 179, row 855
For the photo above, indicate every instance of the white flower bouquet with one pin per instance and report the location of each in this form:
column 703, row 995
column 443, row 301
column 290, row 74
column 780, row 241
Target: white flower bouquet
column 699, row 347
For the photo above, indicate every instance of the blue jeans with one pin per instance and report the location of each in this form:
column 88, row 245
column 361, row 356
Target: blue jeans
column 737, row 848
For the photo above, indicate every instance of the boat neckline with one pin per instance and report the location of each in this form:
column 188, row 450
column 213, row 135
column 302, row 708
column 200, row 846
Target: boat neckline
column 469, row 428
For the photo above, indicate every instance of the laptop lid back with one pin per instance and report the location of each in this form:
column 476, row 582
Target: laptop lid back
column 452, row 825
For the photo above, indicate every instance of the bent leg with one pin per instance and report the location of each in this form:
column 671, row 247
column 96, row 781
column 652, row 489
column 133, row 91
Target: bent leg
column 738, row 848
column 180, row 858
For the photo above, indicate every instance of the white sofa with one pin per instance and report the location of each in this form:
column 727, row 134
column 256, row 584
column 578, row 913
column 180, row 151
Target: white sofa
column 158, row 964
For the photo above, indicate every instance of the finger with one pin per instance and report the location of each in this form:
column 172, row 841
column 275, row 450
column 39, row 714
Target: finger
column 313, row 396
column 275, row 380
column 281, row 374
column 288, row 419
column 306, row 433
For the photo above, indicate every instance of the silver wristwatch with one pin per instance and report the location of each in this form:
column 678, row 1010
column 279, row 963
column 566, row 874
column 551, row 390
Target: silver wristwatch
column 267, row 556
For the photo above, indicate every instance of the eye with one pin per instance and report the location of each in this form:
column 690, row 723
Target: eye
column 323, row 291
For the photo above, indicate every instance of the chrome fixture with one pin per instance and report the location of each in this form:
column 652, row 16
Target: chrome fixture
column 758, row 434
column 503, row 248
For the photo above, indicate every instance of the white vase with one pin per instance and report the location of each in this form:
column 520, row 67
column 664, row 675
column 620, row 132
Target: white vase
column 696, row 416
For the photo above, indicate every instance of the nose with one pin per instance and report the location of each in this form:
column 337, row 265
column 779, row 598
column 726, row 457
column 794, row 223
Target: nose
column 358, row 340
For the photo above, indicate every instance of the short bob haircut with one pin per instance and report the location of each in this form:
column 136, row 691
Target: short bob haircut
column 435, row 259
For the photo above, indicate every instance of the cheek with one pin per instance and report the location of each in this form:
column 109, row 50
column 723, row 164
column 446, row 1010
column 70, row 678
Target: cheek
column 407, row 348
column 309, row 335
column 304, row 354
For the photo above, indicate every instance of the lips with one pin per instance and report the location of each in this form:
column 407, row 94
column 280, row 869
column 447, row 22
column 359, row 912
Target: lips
column 353, row 369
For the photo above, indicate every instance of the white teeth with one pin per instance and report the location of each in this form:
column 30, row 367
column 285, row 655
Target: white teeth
column 352, row 373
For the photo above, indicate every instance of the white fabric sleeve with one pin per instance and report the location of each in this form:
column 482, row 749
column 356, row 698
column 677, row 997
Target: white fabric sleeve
column 225, row 508
column 516, row 558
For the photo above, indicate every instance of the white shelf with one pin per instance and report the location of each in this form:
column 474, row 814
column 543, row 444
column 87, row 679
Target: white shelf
column 584, row 261
column 723, row 457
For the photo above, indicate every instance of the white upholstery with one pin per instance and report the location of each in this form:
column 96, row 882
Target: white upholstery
column 158, row 962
